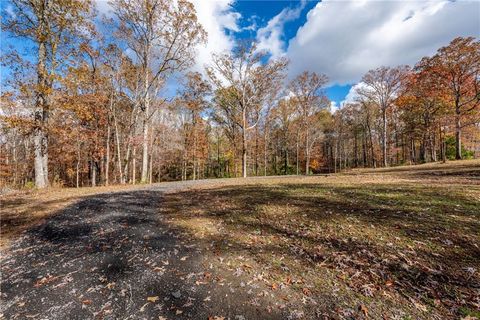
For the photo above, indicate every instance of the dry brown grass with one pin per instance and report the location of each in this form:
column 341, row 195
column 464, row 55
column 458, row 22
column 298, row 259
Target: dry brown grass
column 400, row 242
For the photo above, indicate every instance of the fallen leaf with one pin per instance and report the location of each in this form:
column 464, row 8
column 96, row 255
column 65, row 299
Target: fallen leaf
column 152, row 299
column 142, row 309
column 44, row 280
column 364, row 310
column 87, row 302
column 306, row 291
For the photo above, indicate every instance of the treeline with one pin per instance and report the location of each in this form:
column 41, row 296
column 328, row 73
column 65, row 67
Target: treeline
column 413, row 115
column 87, row 106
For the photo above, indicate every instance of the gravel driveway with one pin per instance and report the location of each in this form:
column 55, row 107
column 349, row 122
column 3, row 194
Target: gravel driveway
column 113, row 256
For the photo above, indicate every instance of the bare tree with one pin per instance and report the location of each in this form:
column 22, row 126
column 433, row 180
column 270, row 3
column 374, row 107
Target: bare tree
column 248, row 85
column 307, row 93
column 163, row 35
column 382, row 87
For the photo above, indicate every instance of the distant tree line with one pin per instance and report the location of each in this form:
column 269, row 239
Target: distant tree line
column 85, row 107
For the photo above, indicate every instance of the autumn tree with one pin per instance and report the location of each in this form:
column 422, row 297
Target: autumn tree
column 52, row 27
column 421, row 102
column 193, row 101
column 283, row 115
column 308, row 95
column 245, row 84
column 163, row 35
column 457, row 68
column 382, row 86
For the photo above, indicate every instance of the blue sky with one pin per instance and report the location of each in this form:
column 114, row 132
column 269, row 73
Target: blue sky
column 262, row 11
column 342, row 39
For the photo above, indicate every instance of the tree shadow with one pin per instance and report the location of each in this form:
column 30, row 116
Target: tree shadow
column 430, row 246
column 112, row 256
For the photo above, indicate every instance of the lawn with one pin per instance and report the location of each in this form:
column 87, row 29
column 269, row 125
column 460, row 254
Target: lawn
column 394, row 243
column 399, row 243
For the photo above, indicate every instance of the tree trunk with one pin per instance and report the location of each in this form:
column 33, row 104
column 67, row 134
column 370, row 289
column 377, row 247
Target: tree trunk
column 256, row 151
column 265, row 156
column 458, row 132
column 134, row 165
column 364, row 149
column 433, row 147
column 38, row 140
column 145, row 132
column 443, row 146
column 384, row 140
column 93, row 169
column 244, row 158
column 194, row 151
column 107, row 156
column 40, row 137
column 297, row 154
column 355, row 160
column 78, row 167
column 244, row 145
column 307, row 154
column 372, row 151
column 150, row 170
column 335, row 151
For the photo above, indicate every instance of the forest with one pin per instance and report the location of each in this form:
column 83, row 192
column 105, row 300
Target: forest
column 88, row 105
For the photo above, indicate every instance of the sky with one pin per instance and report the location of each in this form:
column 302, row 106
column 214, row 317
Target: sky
column 340, row 38
column 344, row 39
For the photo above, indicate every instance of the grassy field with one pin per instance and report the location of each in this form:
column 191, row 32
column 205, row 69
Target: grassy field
column 394, row 243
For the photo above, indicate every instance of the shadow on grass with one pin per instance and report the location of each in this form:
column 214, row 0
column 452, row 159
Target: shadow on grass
column 102, row 257
column 425, row 241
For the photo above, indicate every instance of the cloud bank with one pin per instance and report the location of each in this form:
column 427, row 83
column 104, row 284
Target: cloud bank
column 345, row 39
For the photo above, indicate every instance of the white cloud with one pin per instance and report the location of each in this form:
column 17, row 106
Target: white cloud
column 104, row 8
column 216, row 16
column 10, row 12
column 253, row 26
column 345, row 39
column 352, row 94
column 334, row 106
column 270, row 37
